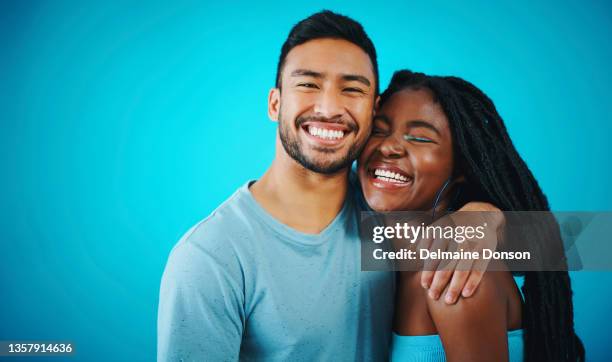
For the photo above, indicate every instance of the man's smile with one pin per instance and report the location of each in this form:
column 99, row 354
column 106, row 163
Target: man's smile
column 325, row 133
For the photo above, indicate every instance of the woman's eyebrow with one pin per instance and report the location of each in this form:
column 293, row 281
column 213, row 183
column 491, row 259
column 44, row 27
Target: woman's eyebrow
column 424, row 124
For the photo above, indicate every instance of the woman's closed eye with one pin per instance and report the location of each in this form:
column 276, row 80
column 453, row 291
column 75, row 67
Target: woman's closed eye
column 419, row 139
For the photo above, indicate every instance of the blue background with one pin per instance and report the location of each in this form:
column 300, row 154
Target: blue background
column 124, row 124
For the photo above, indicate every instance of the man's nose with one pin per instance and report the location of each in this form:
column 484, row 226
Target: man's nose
column 329, row 105
column 391, row 147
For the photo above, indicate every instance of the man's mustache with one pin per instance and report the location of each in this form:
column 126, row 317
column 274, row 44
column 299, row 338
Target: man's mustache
column 350, row 124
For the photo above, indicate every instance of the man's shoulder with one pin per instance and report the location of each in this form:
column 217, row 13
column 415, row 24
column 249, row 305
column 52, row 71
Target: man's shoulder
column 227, row 223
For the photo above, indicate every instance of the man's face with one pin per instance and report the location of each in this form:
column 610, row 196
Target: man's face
column 325, row 104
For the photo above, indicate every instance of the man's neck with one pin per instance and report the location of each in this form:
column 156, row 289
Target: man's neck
column 299, row 198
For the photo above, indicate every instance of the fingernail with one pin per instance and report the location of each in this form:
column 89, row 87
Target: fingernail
column 467, row 292
column 425, row 285
column 433, row 295
column 450, row 298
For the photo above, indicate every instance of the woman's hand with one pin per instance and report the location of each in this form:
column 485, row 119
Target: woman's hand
column 465, row 274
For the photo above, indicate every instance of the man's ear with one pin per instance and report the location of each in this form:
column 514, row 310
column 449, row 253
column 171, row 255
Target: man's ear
column 273, row 104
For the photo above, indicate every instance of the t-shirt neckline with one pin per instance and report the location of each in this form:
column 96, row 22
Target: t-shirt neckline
column 289, row 232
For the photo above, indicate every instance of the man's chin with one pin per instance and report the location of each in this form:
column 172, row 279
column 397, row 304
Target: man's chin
column 327, row 167
column 317, row 158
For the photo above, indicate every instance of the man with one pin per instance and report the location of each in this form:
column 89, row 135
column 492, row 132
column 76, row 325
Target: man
column 274, row 272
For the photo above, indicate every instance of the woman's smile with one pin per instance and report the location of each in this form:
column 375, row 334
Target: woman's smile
column 388, row 176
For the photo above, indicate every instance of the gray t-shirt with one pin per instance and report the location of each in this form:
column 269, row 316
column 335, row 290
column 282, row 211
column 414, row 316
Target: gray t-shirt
column 241, row 285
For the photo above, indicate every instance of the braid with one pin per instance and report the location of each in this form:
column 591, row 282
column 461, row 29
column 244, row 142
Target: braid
column 495, row 173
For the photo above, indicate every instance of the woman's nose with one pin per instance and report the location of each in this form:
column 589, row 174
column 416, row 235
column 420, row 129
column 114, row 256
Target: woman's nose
column 391, row 147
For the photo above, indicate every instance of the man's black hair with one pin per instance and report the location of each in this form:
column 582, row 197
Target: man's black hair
column 327, row 24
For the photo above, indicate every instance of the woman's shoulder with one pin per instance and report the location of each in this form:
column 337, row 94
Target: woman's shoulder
column 497, row 295
column 478, row 325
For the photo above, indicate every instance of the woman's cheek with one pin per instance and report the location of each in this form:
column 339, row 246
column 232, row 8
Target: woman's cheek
column 433, row 170
column 426, row 163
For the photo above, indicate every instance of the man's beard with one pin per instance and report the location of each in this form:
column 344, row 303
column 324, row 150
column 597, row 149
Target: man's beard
column 293, row 147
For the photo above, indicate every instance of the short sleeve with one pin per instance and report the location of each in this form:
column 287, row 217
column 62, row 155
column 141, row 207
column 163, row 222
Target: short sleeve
column 201, row 305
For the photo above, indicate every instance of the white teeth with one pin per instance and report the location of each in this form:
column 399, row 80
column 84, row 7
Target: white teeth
column 327, row 134
column 389, row 176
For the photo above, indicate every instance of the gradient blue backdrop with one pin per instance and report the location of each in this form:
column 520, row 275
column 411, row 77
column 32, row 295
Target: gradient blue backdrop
column 124, row 124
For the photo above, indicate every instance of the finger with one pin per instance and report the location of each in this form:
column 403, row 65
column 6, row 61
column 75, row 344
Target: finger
column 479, row 267
column 458, row 281
column 438, row 245
column 426, row 274
column 431, row 264
column 424, row 243
column 475, row 278
column 426, row 278
column 482, row 264
column 440, row 280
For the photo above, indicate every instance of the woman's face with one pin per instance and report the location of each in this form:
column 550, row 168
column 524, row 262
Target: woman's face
column 409, row 155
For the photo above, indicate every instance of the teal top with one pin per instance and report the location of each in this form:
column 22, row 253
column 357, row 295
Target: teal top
column 240, row 285
column 429, row 348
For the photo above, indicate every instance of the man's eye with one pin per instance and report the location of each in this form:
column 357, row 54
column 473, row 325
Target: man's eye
column 409, row 137
column 307, row 85
column 354, row 90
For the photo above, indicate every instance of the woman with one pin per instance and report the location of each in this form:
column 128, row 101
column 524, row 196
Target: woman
column 437, row 143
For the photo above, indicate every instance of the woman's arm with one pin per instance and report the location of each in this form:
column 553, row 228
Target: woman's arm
column 475, row 329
